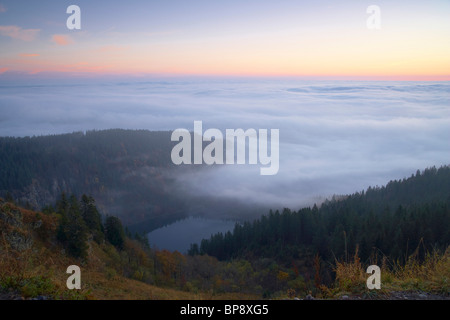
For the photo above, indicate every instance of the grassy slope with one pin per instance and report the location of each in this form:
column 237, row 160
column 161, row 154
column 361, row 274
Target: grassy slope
column 32, row 263
column 429, row 277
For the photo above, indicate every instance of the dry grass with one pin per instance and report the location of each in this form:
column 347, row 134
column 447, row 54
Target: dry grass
column 431, row 275
column 350, row 276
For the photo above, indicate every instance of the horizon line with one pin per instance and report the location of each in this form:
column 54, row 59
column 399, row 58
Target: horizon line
column 9, row 74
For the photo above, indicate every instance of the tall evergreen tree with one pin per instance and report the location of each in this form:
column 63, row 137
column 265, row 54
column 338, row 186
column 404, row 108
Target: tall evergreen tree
column 115, row 233
column 72, row 230
column 92, row 217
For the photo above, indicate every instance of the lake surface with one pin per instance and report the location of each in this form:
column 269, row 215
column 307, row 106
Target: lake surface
column 180, row 235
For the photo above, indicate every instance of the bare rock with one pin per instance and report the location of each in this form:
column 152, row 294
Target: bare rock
column 19, row 240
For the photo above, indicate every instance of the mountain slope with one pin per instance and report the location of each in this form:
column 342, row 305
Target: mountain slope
column 392, row 221
column 33, row 264
column 124, row 170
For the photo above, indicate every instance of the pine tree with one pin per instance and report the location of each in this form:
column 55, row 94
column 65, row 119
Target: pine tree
column 115, row 233
column 72, row 230
column 92, row 218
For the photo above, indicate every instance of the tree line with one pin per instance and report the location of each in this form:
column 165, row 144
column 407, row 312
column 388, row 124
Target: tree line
column 390, row 221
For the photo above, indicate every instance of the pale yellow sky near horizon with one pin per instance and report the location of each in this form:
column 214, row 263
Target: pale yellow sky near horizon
column 322, row 40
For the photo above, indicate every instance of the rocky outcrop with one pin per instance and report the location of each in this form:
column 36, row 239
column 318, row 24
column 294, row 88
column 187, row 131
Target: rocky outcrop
column 14, row 231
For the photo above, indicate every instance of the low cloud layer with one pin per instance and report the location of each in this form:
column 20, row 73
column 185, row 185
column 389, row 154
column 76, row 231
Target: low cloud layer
column 335, row 137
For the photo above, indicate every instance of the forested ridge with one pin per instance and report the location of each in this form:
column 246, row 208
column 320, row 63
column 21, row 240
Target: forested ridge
column 390, row 221
column 129, row 173
column 22, row 158
column 124, row 170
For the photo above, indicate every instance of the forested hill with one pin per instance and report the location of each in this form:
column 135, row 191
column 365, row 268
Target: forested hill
column 391, row 221
column 123, row 170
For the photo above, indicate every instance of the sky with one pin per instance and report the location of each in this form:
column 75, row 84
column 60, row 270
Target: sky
column 315, row 39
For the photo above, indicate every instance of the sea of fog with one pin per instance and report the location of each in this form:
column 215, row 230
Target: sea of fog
column 336, row 137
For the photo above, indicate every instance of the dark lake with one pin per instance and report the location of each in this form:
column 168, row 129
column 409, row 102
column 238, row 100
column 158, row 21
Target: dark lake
column 180, row 235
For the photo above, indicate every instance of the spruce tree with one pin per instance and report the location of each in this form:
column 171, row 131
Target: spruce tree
column 115, row 233
column 72, row 231
column 92, row 217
